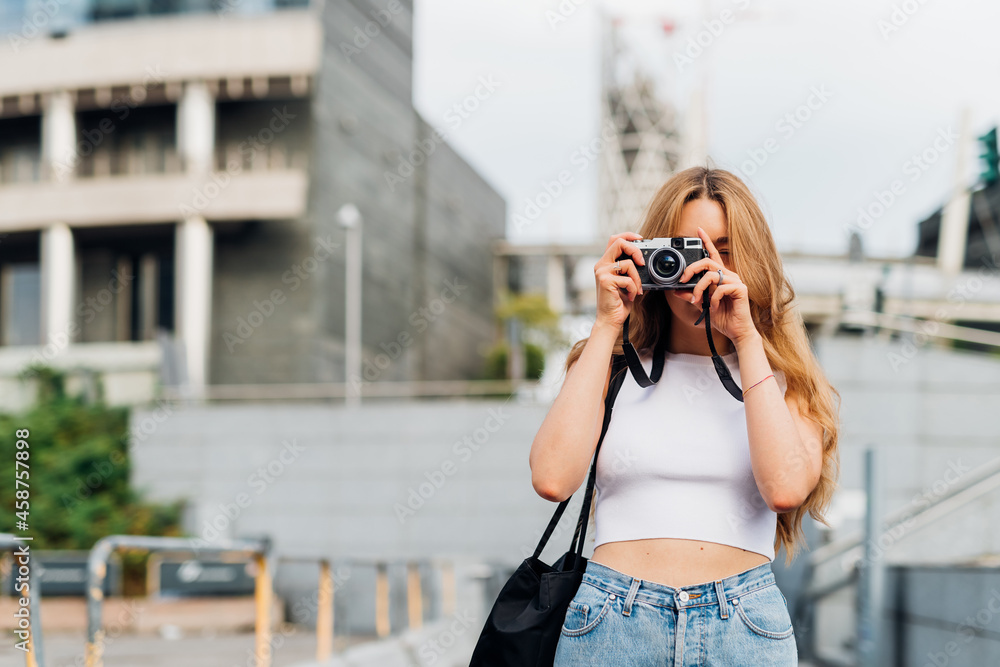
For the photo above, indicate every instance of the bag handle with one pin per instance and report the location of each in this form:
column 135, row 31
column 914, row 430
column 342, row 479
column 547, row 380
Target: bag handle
column 618, row 366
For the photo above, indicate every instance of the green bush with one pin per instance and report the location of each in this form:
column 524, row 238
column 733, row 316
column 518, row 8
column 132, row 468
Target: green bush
column 496, row 362
column 78, row 472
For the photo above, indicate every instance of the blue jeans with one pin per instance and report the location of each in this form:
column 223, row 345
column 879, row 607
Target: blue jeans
column 615, row 619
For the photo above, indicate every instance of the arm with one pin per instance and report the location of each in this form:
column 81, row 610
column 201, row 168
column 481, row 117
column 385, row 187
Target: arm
column 565, row 442
column 786, row 449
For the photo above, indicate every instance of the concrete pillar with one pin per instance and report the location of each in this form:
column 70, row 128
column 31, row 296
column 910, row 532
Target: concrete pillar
column 952, row 236
column 57, row 271
column 556, row 283
column 196, row 127
column 193, row 298
column 59, row 156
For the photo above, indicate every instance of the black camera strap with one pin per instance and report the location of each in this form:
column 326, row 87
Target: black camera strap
column 639, row 373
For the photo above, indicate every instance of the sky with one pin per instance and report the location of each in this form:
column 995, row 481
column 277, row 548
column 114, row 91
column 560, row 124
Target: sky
column 847, row 107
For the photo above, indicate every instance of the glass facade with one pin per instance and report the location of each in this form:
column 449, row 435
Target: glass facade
column 27, row 19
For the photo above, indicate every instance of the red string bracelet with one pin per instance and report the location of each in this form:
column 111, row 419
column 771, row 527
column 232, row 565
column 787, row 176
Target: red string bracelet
column 755, row 384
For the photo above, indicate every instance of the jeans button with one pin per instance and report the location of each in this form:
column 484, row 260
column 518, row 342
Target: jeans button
column 683, row 596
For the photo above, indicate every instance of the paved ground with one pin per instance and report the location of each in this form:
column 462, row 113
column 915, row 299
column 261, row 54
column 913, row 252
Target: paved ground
column 191, row 650
column 221, row 650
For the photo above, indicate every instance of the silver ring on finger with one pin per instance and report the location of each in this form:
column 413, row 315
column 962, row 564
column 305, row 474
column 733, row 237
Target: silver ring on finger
column 720, row 277
column 618, row 268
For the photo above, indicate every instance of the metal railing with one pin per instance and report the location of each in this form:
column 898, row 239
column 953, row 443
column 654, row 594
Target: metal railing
column 976, row 483
column 97, row 566
column 339, row 390
column 415, row 596
column 35, row 655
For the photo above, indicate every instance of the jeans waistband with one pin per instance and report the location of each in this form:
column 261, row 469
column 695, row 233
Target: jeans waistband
column 695, row 595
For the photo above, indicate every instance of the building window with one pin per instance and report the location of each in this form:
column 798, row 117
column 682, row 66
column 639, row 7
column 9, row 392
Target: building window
column 20, row 303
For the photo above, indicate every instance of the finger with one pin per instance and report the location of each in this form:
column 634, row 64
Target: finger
column 709, row 246
column 622, row 247
column 628, row 236
column 625, row 283
column 704, row 264
column 700, row 287
column 722, row 291
column 628, row 269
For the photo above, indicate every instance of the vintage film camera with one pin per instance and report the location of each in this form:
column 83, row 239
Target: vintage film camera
column 666, row 259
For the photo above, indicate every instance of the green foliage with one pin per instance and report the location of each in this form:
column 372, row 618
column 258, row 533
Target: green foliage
column 539, row 331
column 78, row 472
column 496, row 362
column 534, row 361
column 532, row 309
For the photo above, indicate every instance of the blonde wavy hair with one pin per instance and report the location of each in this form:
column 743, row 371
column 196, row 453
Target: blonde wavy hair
column 755, row 259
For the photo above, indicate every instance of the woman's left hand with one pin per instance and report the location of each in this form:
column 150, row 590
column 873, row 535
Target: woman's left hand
column 730, row 302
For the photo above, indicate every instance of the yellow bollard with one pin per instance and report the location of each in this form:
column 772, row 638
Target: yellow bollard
column 414, row 596
column 449, row 598
column 262, row 595
column 324, row 613
column 382, row 600
column 94, row 653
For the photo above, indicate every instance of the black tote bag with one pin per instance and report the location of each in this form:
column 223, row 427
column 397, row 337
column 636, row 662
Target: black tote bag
column 523, row 627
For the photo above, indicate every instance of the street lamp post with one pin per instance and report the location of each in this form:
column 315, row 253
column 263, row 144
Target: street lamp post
column 350, row 219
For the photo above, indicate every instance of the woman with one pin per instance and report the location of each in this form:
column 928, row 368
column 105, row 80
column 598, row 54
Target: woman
column 695, row 490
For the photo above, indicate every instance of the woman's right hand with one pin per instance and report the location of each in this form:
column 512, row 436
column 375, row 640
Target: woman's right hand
column 612, row 305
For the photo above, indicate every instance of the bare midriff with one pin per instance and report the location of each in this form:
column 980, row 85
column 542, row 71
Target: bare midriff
column 676, row 562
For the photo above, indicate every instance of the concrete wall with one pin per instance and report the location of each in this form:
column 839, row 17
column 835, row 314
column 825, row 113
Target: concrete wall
column 429, row 218
column 349, row 490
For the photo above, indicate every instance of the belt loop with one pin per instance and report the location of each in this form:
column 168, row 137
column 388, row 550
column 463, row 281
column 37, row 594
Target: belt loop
column 720, row 592
column 632, row 590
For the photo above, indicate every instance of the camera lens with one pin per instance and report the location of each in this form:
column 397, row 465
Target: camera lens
column 666, row 265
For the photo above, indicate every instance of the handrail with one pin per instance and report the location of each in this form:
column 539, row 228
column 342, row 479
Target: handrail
column 982, row 480
column 336, row 390
column 97, row 565
column 35, row 655
column 916, row 325
column 977, row 483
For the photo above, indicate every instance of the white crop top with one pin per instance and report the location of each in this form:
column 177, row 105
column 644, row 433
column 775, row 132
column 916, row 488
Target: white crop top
column 675, row 461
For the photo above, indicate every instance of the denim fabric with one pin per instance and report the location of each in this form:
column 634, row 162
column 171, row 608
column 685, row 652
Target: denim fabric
column 615, row 619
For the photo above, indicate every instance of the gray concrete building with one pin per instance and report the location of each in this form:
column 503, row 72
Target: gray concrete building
column 170, row 178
